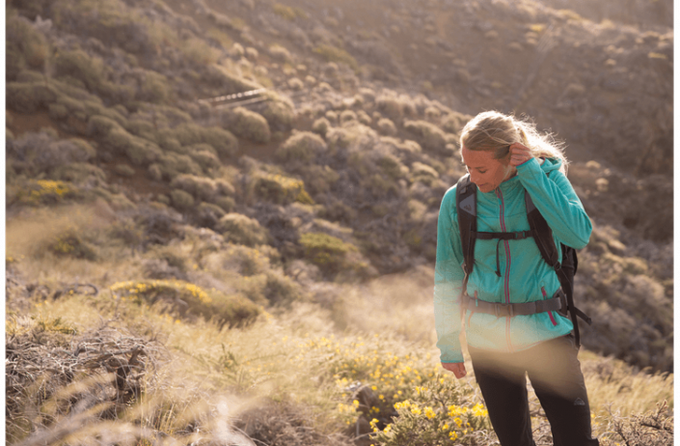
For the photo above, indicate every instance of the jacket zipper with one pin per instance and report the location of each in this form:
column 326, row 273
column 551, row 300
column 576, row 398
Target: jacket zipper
column 506, row 284
column 550, row 313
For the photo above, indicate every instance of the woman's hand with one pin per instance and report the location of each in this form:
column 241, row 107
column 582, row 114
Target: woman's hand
column 458, row 368
column 519, row 154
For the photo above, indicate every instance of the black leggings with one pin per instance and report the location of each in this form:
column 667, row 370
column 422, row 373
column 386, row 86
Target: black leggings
column 555, row 374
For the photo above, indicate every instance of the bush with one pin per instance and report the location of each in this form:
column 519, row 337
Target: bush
column 79, row 65
column 25, row 47
column 208, row 215
column 170, row 165
column 391, row 106
column 223, row 309
column 386, row 127
column 181, row 200
column 454, row 122
column 279, row 112
column 221, row 140
column 41, row 192
column 337, row 55
column 347, row 115
column 29, row 97
column 321, row 126
column 36, row 153
column 250, row 125
column 140, row 151
column 154, row 87
column 204, row 156
column 440, row 413
column 279, row 53
column 429, row 136
column 124, row 170
column 280, row 189
column 301, row 146
column 70, row 244
column 326, row 251
column 202, row 188
column 238, row 228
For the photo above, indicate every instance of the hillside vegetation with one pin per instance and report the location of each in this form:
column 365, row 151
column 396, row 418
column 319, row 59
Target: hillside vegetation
column 189, row 264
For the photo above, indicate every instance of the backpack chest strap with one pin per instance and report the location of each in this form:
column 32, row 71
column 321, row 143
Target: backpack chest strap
column 500, row 236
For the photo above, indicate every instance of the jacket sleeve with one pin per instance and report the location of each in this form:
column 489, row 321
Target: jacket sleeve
column 448, row 278
column 558, row 203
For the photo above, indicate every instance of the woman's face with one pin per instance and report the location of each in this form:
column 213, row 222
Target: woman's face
column 486, row 171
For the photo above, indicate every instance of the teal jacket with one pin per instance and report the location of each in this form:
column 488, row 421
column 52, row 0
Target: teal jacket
column 525, row 276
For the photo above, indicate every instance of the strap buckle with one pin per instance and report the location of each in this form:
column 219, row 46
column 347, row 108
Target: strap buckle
column 497, row 308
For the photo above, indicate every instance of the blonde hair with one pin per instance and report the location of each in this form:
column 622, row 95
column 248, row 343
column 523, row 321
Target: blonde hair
column 494, row 131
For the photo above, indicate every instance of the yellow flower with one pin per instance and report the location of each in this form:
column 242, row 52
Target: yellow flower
column 429, row 413
column 445, row 427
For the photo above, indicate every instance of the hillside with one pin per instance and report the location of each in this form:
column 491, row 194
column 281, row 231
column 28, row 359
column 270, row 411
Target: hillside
column 142, row 180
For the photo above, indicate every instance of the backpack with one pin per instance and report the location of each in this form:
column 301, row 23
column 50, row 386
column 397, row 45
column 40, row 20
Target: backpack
column 466, row 203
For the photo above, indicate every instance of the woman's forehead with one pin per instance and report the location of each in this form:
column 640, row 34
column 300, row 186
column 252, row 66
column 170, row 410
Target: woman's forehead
column 478, row 158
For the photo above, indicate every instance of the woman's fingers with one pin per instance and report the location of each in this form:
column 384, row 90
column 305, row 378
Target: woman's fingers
column 519, row 154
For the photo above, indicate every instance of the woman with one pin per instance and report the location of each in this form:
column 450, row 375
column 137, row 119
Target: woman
column 506, row 157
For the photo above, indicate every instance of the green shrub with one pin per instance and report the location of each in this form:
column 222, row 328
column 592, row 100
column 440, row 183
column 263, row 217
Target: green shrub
column 295, row 84
column 347, row 115
column 319, row 179
column 441, row 413
column 79, row 65
column 138, row 150
column 41, row 192
column 101, row 126
column 333, row 54
column 170, row 165
column 386, row 127
column 223, row 309
column 78, row 173
column 24, row 46
column 204, row 156
column 221, row 140
column 202, row 188
column 181, row 200
column 70, row 244
column 170, row 143
column 29, row 97
column 143, row 129
column 454, row 122
column 321, row 126
column 301, row 146
column 154, row 87
column 429, row 136
column 240, row 229
column 279, row 53
column 58, row 112
column 392, row 167
column 391, row 106
column 250, row 125
column 327, row 252
column 208, row 214
column 364, row 118
column 124, row 170
column 279, row 112
column 280, row 189
column 227, row 204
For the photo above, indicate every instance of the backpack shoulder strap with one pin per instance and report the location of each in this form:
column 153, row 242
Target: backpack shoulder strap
column 466, row 205
column 542, row 233
column 565, row 269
